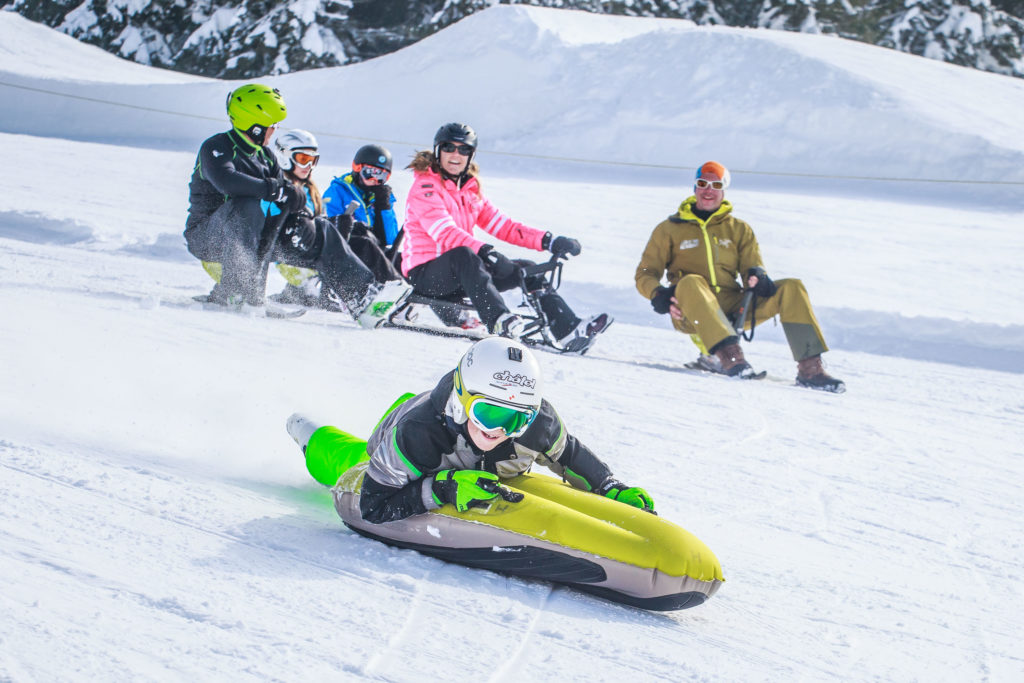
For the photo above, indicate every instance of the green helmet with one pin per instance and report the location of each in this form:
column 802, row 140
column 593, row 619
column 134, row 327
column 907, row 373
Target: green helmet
column 255, row 107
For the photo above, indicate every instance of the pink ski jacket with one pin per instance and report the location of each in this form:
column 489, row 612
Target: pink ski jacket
column 439, row 216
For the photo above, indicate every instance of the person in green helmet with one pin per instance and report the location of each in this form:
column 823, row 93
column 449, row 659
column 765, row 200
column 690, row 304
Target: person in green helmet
column 239, row 196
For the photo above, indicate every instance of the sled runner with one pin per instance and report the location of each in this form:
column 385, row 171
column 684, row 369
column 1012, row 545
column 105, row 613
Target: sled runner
column 426, row 314
column 268, row 309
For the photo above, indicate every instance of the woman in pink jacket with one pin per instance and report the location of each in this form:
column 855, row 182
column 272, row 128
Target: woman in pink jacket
column 443, row 259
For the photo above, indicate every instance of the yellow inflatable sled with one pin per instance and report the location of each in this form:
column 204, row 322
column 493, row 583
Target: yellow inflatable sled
column 559, row 534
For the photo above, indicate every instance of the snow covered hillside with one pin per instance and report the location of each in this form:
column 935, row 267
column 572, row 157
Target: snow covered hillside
column 156, row 522
column 561, row 84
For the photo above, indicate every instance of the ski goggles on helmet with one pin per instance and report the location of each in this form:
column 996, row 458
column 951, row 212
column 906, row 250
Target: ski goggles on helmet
column 489, row 415
column 305, row 159
column 449, row 147
column 368, row 172
column 713, row 184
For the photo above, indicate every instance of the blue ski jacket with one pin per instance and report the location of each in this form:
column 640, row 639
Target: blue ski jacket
column 343, row 190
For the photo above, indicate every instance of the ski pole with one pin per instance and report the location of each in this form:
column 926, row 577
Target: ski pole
column 268, row 238
column 741, row 315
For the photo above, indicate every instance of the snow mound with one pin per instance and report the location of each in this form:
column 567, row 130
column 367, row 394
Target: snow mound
column 35, row 51
column 565, row 85
column 42, row 229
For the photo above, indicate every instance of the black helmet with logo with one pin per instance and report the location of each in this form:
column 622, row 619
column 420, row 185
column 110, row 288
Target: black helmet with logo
column 372, row 155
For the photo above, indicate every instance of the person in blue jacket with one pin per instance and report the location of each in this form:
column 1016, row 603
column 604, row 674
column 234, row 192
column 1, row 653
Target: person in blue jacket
column 372, row 228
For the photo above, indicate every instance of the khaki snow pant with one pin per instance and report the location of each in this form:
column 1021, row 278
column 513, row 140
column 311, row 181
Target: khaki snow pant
column 705, row 314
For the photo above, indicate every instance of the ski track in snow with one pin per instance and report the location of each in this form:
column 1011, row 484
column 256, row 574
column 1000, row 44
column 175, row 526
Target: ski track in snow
column 508, row 670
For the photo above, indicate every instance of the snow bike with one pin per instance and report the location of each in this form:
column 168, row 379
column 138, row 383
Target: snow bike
column 430, row 314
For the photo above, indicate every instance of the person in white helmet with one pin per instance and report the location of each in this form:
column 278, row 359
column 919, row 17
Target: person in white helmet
column 297, row 154
column 486, row 420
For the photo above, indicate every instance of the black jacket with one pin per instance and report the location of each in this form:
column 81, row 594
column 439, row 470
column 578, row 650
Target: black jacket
column 427, row 434
column 229, row 166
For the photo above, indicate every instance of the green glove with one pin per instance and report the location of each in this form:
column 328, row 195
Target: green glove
column 469, row 488
column 630, row 495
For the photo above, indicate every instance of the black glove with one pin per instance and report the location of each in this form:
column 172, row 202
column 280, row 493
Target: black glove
column 361, row 229
column 764, row 287
column 382, row 197
column 497, row 263
column 286, row 195
column 565, row 246
column 662, row 299
column 343, row 222
column 300, row 231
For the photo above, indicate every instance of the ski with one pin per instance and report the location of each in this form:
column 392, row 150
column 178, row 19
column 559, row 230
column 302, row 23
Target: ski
column 697, row 367
column 276, row 311
column 702, row 367
column 415, row 316
column 418, row 317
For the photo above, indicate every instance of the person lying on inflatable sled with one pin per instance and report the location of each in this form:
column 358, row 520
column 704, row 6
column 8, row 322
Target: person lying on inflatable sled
column 486, row 420
column 446, row 473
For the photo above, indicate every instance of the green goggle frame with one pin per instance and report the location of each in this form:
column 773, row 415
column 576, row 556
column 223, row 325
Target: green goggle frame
column 488, row 416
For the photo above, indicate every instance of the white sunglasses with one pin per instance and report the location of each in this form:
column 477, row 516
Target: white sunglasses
column 713, row 184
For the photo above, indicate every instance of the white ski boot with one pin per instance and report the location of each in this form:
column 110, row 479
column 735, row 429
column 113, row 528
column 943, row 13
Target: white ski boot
column 380, row 302
column 301, row 428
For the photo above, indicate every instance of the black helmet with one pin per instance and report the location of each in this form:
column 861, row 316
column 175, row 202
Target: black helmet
column 372, row 155
column 454, row 132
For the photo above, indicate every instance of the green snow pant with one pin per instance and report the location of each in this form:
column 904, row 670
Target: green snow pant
column 330, row 451
column 705, row 314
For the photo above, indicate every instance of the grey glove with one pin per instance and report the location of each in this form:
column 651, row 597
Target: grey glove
column 565, row 246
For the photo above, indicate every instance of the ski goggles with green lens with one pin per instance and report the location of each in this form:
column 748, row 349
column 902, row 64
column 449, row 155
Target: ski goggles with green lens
column 489, row 415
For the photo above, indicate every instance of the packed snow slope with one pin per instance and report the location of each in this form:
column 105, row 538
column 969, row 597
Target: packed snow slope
column 157, row 523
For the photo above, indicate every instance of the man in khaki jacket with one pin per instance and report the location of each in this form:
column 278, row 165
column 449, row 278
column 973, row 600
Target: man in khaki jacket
column 703, row 250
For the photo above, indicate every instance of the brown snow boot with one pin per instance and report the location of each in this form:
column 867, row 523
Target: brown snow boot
column 811, row 373
column 730, row 355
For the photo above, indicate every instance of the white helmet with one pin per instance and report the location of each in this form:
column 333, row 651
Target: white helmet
column 287, row 143
column 498, row 372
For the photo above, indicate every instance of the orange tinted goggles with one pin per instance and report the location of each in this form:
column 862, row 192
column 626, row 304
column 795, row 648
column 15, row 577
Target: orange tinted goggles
column 304, row 159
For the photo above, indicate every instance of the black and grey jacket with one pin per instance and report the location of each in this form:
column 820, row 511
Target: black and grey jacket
column 427, row 434
column 228, row 166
